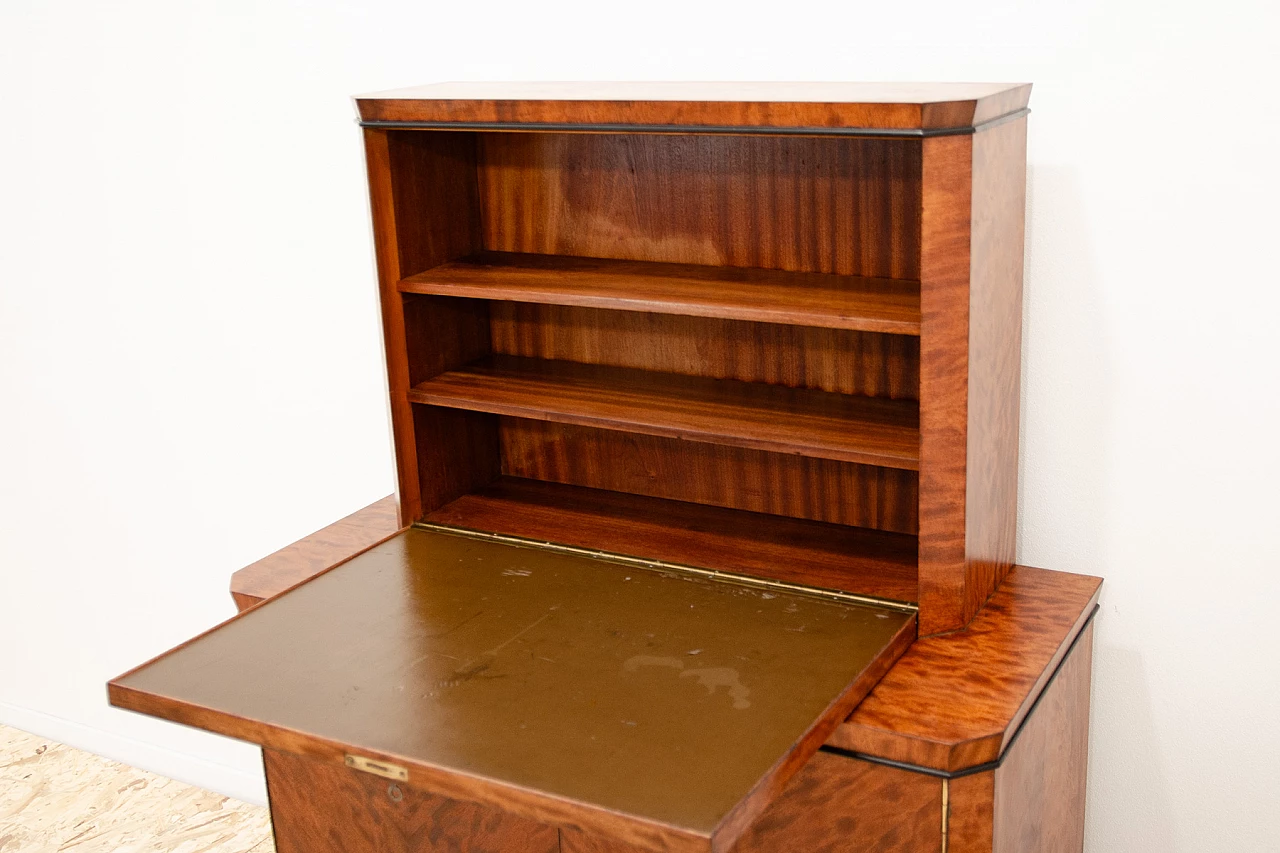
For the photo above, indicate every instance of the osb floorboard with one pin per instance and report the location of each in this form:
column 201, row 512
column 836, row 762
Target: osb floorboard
column 55, row 798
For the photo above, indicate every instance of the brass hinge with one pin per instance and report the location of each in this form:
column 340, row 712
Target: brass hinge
column 384, row 769
column 946, row 811
column 675, row 568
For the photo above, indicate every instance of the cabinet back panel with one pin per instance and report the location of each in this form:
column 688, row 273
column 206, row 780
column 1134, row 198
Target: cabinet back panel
column 443, row 333
column 806, row 204
column 846, row 362
column 718, row 475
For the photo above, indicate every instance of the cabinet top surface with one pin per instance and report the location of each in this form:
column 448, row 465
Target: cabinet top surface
column 655, row 696
column 831, row 106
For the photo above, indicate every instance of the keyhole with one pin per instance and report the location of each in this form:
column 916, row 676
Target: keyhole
column 394, row 792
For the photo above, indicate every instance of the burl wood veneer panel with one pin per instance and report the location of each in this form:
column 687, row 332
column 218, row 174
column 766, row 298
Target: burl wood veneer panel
column 1040, row 786
column 807, row 204
column 969, row 813
column 324, row 808
column 311, row 555
column 954, row 701
column 833, row 805
column 1033, row 802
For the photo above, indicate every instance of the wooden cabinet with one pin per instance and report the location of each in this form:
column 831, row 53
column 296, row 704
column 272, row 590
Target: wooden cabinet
column 705, row 412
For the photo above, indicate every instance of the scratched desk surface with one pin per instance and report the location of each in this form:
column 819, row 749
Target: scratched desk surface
column 651, row 694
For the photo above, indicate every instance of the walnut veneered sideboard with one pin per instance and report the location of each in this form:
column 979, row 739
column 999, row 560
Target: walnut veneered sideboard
column 705, row 411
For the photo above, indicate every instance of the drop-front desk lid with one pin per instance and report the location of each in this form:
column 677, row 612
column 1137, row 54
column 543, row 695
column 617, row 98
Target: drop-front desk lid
column 658, row 708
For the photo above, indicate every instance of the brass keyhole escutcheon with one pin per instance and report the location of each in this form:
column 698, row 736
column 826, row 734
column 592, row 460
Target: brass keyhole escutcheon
column 394, row 792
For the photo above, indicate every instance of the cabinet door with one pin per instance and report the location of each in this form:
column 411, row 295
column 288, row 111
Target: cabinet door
column 317, row 807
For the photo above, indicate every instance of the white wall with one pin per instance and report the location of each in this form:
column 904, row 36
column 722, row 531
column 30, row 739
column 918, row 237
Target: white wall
column 189, row 370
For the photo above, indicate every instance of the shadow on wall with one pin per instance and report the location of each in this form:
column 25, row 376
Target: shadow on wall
column 1066, row 451
column 1130, row 804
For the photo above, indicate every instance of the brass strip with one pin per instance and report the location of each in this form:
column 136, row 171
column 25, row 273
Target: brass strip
column 677, row 568
column 946, row 811
column 377, row 768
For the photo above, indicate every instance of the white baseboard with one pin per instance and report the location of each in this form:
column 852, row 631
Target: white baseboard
column 230, row 781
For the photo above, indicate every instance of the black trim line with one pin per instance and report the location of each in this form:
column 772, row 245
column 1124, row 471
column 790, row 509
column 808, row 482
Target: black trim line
column 977, row 768
column 739, row 130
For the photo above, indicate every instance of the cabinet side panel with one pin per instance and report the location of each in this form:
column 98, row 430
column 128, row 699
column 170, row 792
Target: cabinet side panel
column 944, row 368
column 377, row 148
column 422, row 189
column 995, row 357
column 1040, row 787
column 808, row 204
column 321, row 808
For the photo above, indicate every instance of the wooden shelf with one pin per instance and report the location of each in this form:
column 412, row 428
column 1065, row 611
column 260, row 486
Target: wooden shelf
column 865, row 430
column 831, row 556
column 769, row 296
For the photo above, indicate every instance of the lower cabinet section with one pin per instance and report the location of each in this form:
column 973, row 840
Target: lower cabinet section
column 833, row 805
column 1032, row 802
column 842, row 805
column 318, row 807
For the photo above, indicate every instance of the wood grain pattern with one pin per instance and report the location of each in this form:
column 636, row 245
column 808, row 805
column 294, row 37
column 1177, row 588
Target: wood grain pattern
column 891, row 106
column 833, row 805
column 841, row 805
column 713, row 474
column 836, row 360
column 457, row 451
column 436, row 198
column 805, row 299
column 844, row 206
column 444, row 334
column 954, row 701
column 424, row 209
column 1034, row 801
column 382, row 208
column 823, row 555
column 865, row 430
column 944, row 366
column 746, row 818
column 995, row 358
column 317, row 807
column 971, row 308
column 313, row 554
column 970, row 823
column 1040, row 787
